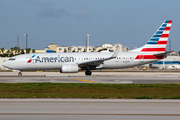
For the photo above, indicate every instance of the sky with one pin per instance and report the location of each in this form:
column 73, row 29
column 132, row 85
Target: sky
column 67, row 22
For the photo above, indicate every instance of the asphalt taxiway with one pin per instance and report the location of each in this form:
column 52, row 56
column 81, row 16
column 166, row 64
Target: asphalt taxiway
column 97, row 77
column 88, row 109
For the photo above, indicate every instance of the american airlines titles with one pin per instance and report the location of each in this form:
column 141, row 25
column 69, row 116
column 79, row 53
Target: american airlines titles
column 54, row 59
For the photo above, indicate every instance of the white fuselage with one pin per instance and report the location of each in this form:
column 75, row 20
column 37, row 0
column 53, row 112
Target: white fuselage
column 54, row 61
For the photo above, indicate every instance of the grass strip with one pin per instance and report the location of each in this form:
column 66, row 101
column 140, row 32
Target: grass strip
column 89, row 90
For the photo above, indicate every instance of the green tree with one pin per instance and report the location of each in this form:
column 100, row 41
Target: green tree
column 33, row 50
column 8, row 51
column 28, row 50
column 2, row 50
column 12, row 50
column 18, row 49
column 11, row 54
column 15, row 48
column 22, row 51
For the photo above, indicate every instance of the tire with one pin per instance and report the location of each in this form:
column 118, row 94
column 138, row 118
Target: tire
column 19, row 74
column 88, row 73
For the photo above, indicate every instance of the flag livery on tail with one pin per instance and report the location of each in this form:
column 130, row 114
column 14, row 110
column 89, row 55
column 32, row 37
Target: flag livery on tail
column 157, row 43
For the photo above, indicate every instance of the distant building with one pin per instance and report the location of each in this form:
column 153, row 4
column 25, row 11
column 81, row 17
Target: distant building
column 172, row 59
column 74, row 48
column 109, row 47
column 125, row 49
column 52, row 46
column 62, row 49
column 39, row 51
column 169, row 60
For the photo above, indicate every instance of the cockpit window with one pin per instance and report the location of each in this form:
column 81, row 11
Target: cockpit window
column 12, row 59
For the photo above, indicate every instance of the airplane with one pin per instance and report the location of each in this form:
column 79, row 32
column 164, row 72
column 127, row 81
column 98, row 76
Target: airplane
column 152, row 51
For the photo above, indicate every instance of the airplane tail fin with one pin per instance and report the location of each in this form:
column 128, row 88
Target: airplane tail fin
column 157, row 43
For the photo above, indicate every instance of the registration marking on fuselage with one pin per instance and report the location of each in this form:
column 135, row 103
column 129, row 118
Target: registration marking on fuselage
column 84, row 80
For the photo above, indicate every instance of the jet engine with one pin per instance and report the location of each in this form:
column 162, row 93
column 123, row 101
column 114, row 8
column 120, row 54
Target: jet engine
column 69, row 68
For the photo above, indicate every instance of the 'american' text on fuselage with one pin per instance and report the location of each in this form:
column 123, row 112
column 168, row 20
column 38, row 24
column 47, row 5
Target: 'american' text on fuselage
column 54, row 59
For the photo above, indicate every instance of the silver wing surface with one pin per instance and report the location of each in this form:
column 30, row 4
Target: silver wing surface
column 95, row 63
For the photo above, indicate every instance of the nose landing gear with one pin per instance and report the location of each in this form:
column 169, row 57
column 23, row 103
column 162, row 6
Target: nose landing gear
column 20, row 74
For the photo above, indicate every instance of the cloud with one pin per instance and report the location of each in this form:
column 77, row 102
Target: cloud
column 46, row 10
column 81, row 15
column 50, row 12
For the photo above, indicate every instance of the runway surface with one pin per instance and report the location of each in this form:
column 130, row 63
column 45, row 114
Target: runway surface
column 99, row 109
column 97, row 77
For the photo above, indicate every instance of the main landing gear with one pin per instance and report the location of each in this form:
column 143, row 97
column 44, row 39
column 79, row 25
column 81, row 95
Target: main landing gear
column 20, row 74
column 88, row 73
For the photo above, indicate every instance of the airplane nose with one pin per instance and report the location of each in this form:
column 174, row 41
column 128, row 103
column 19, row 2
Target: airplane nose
column 4, row 64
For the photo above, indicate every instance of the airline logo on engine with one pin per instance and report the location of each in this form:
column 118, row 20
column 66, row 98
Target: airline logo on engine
column 53, row 59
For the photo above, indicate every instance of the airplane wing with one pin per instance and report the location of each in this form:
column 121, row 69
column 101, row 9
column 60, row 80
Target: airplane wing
column 162, row 54
column 95, row 63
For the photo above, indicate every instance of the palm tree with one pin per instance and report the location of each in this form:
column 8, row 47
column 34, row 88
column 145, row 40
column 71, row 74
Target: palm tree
column 2, row 50
column 28, row 50
column 8, row 51
column 12, row 49
column 22, row 51
column 15, row 48
column 18, row 49
column 33, row 50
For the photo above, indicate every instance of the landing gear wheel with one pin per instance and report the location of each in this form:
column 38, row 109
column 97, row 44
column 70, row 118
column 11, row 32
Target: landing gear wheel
column 88, row 72
column 19, row 74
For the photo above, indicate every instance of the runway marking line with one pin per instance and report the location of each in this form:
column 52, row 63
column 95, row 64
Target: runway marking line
column 84, row 80
column 87, row 114
column 167, row 76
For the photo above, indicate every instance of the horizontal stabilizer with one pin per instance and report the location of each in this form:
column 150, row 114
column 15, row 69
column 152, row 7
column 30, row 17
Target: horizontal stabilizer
column 162, row 54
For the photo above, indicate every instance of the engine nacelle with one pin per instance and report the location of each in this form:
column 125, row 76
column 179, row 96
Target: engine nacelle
column 69, row 68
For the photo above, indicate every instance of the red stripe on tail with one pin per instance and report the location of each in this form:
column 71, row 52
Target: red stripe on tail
column 162, row 42
column 167, row 28
column 152, row 49
column 170, row 21
column 164, row 35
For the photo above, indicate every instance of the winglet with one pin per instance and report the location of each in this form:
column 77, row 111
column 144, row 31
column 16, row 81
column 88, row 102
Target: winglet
column 116, row 53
